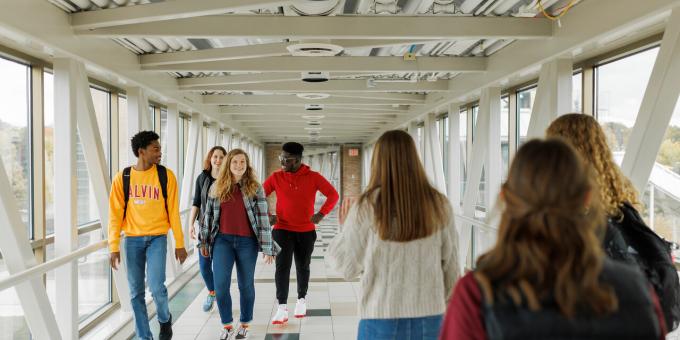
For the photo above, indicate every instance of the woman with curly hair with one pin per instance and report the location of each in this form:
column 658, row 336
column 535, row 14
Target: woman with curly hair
column 235, row 227
column 547, row 277
column 627, row 237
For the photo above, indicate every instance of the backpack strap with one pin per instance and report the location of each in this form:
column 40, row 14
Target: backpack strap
column 163, row 178
column 126, row 189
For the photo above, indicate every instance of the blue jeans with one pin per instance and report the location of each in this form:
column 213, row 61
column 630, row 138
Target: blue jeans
column 205, row 264
column 149, row 252
column 230, row 249
column 423, row 328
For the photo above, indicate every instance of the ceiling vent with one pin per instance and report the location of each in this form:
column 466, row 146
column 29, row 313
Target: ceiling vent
column 313, row 107
column 314, row 49
column 315, row 77
column 313, row 95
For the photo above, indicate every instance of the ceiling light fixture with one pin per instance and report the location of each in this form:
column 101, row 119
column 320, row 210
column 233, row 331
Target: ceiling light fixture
column 313, row 95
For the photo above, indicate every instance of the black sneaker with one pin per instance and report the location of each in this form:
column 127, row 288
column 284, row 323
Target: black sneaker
column 166, row 330
column 242, row 333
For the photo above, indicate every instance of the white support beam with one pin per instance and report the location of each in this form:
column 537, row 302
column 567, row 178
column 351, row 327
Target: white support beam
column 195, row 128
column 65, row 214
column 413, row 131
column 331, row 86
column 168, row 10
column 270, row 111
column 331, row 64
column 490, row 105
column 436, row 155
column 93, row 149
column 583, row 30
column 138, row 116
column 656, row 110
column 454, row 160
column 226, row 139
column 224, row 99
column 553, row 95
column 213, row 133
column 336, row 27
column 261, row 50
column 172, row 138
column 255, row 78
column 480, row 150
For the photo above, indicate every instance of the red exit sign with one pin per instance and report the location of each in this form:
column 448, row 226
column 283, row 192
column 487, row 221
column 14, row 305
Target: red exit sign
column 353, row 152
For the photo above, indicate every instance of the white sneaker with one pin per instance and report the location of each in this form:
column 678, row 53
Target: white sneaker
column 301, row 308
column 227, row 333
column 281, row 315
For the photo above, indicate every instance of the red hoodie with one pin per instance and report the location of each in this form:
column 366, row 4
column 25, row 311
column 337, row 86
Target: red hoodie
column 295, row 195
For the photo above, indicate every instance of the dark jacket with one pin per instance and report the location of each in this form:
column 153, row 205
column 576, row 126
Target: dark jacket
column 635, row 318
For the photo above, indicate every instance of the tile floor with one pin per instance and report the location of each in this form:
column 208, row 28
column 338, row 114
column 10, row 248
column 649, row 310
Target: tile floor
column 332, row 303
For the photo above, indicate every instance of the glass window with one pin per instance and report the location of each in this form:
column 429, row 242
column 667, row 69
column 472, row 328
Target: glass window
column 463, row 127
column 475, row 111
column 164, row 134
column 445, row 148
column 577, row 92
column 505, row 135
column 48, row 101
column 621, row 85
column 123, row 139
column 152, row 117
column 15, row 145
column 87, row 203
column 525, row 103
column 663, row 203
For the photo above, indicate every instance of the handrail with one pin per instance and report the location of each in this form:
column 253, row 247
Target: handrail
column 43, row 268
column 477, row 223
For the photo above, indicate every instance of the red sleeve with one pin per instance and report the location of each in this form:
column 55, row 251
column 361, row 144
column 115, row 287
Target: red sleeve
column 327, row 190
column 268, row 185
column 463, row 319
column 659, row 313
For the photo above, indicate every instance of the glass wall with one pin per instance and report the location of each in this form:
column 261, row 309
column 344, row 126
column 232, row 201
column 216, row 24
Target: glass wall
column 15, row 153
column 525, row 103
column 505, row 134
column 577, row 92
column 620, row 86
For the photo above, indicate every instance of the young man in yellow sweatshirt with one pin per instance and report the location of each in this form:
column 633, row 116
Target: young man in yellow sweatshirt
column 145, row 223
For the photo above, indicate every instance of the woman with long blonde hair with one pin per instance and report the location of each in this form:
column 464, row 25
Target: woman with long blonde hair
column 547, row 276
column 236, row 226
column 400, row 238
column 627, row 238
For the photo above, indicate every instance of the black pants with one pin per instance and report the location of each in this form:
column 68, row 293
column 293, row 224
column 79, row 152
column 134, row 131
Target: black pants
column 300, row 245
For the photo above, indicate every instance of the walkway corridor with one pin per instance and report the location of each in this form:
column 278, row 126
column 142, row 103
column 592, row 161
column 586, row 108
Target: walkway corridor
column 332, row 302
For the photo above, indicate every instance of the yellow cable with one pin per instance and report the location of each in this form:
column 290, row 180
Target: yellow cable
column 551, row 17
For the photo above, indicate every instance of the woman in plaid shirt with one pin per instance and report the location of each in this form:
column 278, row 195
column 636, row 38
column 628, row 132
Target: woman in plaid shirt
column 234, row 228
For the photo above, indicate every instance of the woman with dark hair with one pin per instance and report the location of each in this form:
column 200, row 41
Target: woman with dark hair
column 400, row 238
column 211, row 167
column 234, row 229
column 547, row 276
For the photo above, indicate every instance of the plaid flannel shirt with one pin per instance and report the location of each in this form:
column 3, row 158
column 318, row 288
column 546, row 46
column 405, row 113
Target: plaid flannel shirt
column 258, row 215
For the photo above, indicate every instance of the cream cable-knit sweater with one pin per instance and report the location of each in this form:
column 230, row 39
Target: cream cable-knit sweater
column 398, row 279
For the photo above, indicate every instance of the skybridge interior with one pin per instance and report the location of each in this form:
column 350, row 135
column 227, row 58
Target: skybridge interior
column 469, row 80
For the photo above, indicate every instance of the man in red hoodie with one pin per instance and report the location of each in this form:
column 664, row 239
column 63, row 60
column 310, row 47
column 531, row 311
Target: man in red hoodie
column 294, row 224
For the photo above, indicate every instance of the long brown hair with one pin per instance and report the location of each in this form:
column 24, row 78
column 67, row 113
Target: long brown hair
column 224, row 184
column 207, row 165
column 406, row 206
column 547, row 243
column 586, row 135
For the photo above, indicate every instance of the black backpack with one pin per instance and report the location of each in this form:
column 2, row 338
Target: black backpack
column 162, row 177
column 653, row 255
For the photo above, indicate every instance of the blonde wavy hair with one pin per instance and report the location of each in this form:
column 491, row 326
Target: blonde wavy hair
column 547, row 243
column 585, row 134
column 224, row 184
